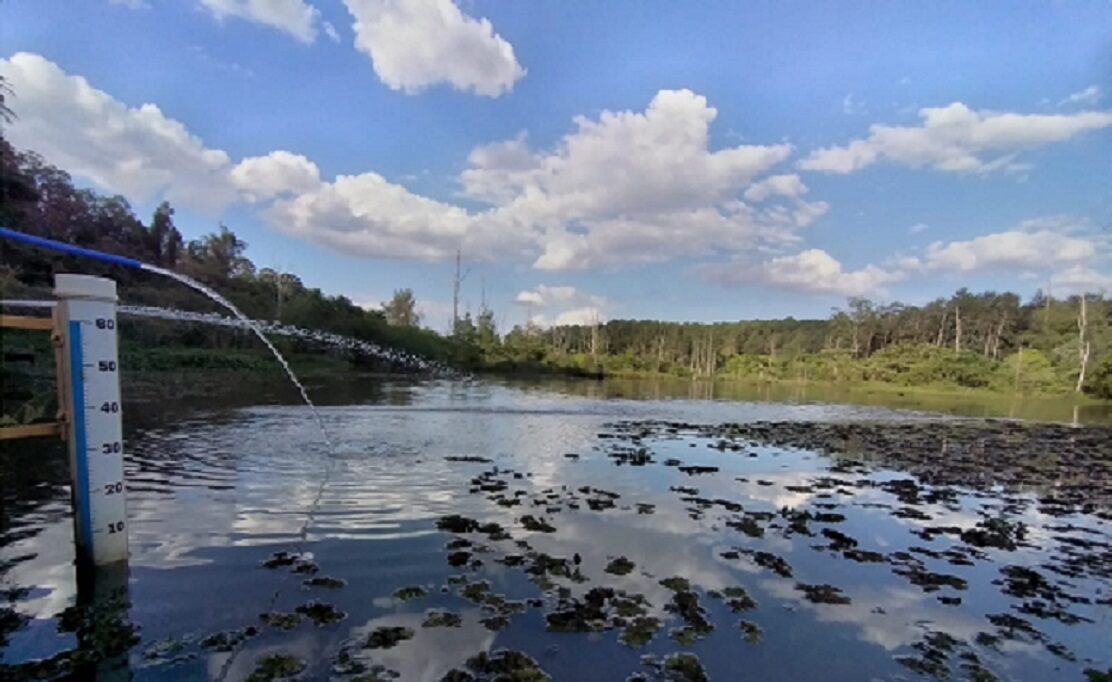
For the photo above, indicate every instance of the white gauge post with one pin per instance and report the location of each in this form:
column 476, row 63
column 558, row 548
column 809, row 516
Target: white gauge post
column 90, row 377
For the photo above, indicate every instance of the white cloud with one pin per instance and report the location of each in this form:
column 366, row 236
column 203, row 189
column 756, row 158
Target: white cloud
column 853, row 107
column 1090, row 95
column 530, row 298
column 918, row 228
column 330, row 31
column 1080, row 279
column 544, row 296
column 625, row 188
column 954, row 139
column 812, row 271
column 776, row 185
column 414, row 44
column 1009, row 249
column 631, row 187
column 369, row 216
column 563, row 305
column 578, row 316
column 135, row 151
column 1065, row 250
column 278, row 173
column 131, row 4
column 295, row 17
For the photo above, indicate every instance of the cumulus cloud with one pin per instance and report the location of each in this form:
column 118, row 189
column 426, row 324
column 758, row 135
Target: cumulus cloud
column 918, row 228
column 1068, row 252
column 369, row 216
column 295, row 17
column 136, row 151
column 563, row 305
column 956, row 139
column 278, row 173
column 1090, row 96
column 589, row 315
column 633, row 187
column 776, row 185
column 1010, row 249
column 1080, row 279
column 625, row 188
column 414, row 44
column 811, row 271
column 545, row 296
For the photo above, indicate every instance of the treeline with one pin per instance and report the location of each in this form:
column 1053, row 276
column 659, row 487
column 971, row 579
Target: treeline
column 987, row 340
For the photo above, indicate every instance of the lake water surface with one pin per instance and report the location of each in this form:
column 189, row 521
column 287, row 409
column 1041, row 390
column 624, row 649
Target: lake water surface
column 571, row 531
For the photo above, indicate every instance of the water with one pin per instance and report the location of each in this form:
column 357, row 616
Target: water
column 215, row 492
column 310, row 515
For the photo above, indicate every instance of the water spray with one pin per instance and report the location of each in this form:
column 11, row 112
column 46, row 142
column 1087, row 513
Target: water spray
column 113, row 259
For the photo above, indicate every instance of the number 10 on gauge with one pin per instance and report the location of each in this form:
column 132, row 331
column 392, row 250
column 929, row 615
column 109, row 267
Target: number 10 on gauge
column 87, row 319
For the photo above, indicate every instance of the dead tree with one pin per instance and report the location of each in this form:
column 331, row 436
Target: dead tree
column 1083, row 345
column 957, row 329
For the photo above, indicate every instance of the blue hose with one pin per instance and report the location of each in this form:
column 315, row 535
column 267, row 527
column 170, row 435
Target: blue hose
column 69, row 249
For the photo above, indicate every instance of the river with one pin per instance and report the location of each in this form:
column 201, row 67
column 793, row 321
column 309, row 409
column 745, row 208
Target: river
column 579, row 530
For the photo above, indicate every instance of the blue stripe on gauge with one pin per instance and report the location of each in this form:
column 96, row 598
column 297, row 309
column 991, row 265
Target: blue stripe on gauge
column 81, row 452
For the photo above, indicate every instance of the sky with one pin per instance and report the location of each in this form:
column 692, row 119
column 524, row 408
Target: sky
column 683, row 161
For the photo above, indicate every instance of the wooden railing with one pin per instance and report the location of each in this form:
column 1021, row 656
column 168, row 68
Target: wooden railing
column 54, row 428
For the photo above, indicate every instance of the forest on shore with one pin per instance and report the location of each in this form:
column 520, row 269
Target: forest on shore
column 988, row 340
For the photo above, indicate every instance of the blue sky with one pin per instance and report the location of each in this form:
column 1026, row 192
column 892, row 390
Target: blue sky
column 687, row 161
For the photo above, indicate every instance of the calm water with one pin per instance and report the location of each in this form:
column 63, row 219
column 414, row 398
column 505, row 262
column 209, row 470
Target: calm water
column 214, row 493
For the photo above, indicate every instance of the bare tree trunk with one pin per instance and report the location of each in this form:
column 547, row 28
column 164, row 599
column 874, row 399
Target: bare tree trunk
column 957, row 329
column 1082, row 344
column 710, row 353
column 1018, row 365
column 996, row 338
column 942, row 327
column 455, row 295
column 594, row 336
column 279, row 288
column 1046, row 313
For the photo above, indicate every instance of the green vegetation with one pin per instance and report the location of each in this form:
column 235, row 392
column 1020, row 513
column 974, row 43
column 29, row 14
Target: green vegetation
column 985, row 341
column 989, row 341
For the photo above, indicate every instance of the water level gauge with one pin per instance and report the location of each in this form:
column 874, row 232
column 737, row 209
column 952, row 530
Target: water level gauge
column 87, row 320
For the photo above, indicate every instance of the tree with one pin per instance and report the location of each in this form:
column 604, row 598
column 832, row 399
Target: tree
column 464, row 329
column 1101, row 381
column 164, row 242
column 1084, row 346
column 487, row 331
column 218, row 258
column 6, row 113
column 401, row 311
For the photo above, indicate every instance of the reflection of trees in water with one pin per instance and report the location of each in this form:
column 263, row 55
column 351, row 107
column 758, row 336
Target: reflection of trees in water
column 967, row 404
column 33, row 472
column 153, row 399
